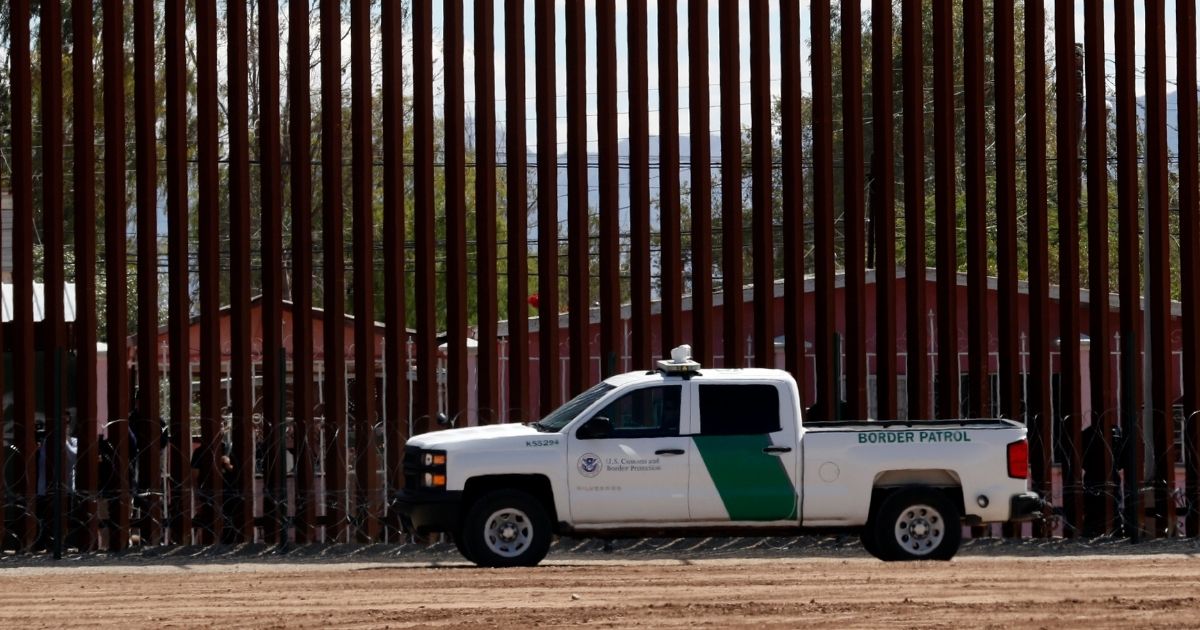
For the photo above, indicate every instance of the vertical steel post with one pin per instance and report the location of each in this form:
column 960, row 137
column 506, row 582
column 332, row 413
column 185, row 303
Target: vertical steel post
column 1104, row 399
column 456, row 212
column 366, row 465
column 917, row 338
column 547, row 203
column 853, row 203
column 792, row 174
column 639, row 190
column 1161, row 397
column 178, row 275
column 883, row 206
column 609, row 179
column 578, row 233
column 763, row 201
column 486, row 261
column 53, row 325
column 1038, row 410
column 731, row 185
column 669, row 218
column 394, row 279
column 271, row 192
column 945, row 208
column 1009, row 394
column 1189, row 251
column 828, row 397
column 1129, row 265
column 517, row 146
column 425, row 404
column 701, row 210
column 1067, row 151
column 145, row 117
column 978, row 400
column 87, row 463
column 24, row 404
column 116, row 268
column 209, row 214
column 333, row 259
column 300, row 133
column 242, row 391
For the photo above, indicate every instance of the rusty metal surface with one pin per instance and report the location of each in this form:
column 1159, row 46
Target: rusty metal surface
column 425, row 405
column 1161, row 396
column 1103, row 390
column 270, row 202
column 578, row 231
column 609, row 180
column 517, row 173
column 792, row 167
column 1038, row 408
column 333, row 260
column 486, row 262
column 84, row 141
column 732, row 252
column 762, row 201
column 547, row 206
column 828, row 398
column 853, row 208
column 395, row 281
column 883, row 205
column 701, row 171
column 669, row 213
column 179, row 371
column 148, row 404
column 456, row 211
column 241, row 390
column 1189, row 252
column 978, row 399
column 300, row 176
column 945, row 211
column 1007, row 310
column 367, row 502
column 640, row 335
column 116, row 268
column 916, row 335
column 209, row 211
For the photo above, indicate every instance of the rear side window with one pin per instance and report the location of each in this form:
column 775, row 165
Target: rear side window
column 739, row 409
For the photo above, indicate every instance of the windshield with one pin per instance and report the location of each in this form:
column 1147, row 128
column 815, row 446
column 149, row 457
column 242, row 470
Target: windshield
column 562, row 416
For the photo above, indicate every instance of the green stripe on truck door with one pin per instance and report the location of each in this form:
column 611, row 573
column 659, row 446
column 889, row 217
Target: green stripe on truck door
column 753, row 485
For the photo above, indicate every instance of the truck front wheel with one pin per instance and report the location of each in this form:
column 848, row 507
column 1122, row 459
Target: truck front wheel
column 506, row 528
column 917, row 524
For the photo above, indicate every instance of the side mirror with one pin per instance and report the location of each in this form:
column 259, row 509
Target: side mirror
column 597, row 428
column 442, row 420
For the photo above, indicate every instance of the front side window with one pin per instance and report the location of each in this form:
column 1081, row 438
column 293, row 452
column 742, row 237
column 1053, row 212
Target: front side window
column 739, row 409
column 647, row 412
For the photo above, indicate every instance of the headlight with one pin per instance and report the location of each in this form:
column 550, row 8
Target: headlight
column 435, row 480
column 434, row 459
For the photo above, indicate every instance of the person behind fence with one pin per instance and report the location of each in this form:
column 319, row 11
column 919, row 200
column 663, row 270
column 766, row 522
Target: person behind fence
column 231, row 498
column 45, row 483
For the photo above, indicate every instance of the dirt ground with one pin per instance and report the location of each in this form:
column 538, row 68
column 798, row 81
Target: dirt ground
column 999, row 587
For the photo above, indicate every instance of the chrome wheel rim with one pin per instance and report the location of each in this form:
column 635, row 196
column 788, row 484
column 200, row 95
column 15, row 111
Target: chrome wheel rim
column 508, row 532
column 920, row 529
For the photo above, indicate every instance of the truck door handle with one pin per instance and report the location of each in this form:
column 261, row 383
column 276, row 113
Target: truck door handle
column 669, row 451
column 777, row 449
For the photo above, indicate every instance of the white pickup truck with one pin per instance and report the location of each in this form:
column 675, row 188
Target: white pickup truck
column 688, row 451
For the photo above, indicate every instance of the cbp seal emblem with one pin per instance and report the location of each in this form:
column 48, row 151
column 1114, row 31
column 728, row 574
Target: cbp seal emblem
column 589, row 465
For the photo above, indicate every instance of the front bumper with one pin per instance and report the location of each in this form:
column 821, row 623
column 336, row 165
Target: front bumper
column 425, row 511
column 1026, row 506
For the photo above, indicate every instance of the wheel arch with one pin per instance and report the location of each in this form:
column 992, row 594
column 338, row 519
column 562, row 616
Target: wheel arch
column 536, row 485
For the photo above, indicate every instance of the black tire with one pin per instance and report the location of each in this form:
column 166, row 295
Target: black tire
column 506, row 528
column 460, row 543
column 917, row 524
column 867, row 536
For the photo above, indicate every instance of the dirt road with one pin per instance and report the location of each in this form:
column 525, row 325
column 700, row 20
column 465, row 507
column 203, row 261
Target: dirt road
column 835, row 592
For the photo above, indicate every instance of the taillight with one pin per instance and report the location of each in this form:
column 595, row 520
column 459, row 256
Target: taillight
column 1018, row 460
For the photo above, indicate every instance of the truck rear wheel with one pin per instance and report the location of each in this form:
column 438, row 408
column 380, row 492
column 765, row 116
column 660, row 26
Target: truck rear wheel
column 506, row 528
column 917, row 524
